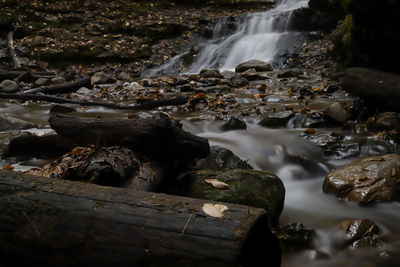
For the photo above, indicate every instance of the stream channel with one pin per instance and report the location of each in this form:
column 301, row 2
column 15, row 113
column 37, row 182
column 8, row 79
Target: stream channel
column 271, row 149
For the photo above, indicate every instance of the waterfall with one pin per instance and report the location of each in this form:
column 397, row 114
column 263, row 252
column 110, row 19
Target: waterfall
column 255, row 38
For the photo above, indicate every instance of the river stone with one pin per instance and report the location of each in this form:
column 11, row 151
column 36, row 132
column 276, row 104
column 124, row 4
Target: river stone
column 227, row 74
column 9, row 123
column 102, row 78
column 239, row 81
column 278, row 119
column 258, row 65
column 185, row 87
column 337, row 113
column 214, row 89
column 234, row 123
column 289, row 73
column 41, row 82
column 295, row 236
column 8, row 86
column 361, row 233
column 221, row 159
column 210, row 73
column 387, row 121
column 248, row 187
column 125, row 77
column 58, row 80
column 366, row 181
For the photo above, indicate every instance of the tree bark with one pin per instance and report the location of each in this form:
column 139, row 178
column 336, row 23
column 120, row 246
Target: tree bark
column 156, row 137
column 51, row 222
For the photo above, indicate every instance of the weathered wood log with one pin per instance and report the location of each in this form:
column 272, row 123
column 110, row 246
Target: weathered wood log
column 51, row 222
column 62, row 88
column 176, row 101
column 156, row 137
column 377, row 87
column 44, row 147
column 11, row 75
column 11, row 51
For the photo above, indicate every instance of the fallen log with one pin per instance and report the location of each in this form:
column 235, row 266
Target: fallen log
column 51, row 222
column 61, row 88
column 156, row 137
column 29, row 76
column 176, row 101
column 377, row 87
column 11, row 51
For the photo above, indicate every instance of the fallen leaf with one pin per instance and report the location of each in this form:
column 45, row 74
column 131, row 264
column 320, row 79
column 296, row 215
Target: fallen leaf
column 309, row 131
column 214, row 210
column 216, row 183
column 8, row 167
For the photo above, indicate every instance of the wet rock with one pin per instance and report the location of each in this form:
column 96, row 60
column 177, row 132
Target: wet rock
column 61, row 109
column 8, row 86
column 227, row 74
column 221, row 159
column 367, row 181
column 9, row 123
column 361, row 233
column 125, row 77
column 238, row 81
column 295, row 236
column 278, row 119
column 185, row 88
column 258, row 65
column 84, row 91
column 58, row 80
column 387, row 121
column 210, row 73
column 248, row 187
column 215, row 89
column 289, row 73
column 337, row 113
column 253, row 75
column 102, row 78
column 234, row 123
column 312, row 120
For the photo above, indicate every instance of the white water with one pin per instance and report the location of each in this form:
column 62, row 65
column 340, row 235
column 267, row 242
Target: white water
column 256, row 38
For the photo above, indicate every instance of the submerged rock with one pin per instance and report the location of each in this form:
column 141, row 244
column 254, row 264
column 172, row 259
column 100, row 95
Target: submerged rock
column 295, row 236
column 11, row 123
column 248, row 187
column 366, row 181
column 258, row 65
column 234, row 123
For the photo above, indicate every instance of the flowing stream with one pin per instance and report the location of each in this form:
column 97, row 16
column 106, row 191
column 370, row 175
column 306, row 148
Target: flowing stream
column 270, row 149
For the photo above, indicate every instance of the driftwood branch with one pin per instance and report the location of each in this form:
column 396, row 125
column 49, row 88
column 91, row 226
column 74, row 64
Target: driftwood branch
column 11, row 51
column 79, row 224
column 180, row 100
column 62, row 88
column 25, row 75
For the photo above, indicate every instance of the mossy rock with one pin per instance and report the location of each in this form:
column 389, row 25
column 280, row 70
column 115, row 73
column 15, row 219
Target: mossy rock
column 255, row 188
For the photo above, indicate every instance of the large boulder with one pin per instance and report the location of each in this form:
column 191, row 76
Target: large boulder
column 242, row 186
column 221, row 159
column 366, row 181
column 258, row 65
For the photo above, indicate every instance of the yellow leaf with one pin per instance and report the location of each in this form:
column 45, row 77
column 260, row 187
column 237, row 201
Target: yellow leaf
column 214, row 210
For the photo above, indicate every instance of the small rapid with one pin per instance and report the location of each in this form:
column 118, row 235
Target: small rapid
column 256, row 37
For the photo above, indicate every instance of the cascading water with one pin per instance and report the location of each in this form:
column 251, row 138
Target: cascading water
column 255, row 38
